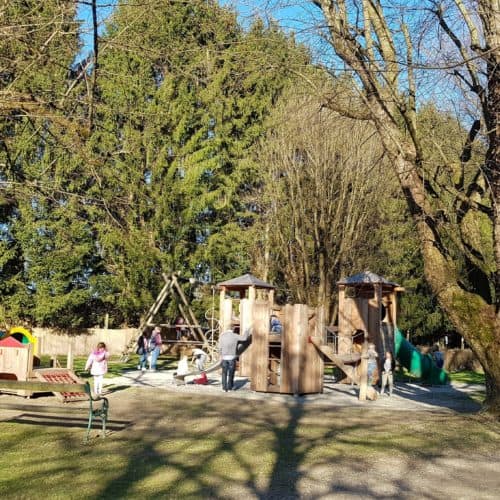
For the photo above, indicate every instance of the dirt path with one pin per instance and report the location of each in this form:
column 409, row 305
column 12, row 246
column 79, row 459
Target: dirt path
column 409, row 397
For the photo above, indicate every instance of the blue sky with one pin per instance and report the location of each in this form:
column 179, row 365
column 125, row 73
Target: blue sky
column 293, row 16
column 299, row 16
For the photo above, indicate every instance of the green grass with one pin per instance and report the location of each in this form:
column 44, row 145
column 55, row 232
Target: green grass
column 116, row 367
column 185, row 446
column 467, row 377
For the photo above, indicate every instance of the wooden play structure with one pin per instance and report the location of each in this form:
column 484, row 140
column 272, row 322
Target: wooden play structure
column 367, row 303
column 284, row 362
column 16, row 360
column 292, row 362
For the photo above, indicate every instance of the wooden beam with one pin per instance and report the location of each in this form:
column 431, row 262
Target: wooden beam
column 192, row 317
column 38, row 386
column 363, row 372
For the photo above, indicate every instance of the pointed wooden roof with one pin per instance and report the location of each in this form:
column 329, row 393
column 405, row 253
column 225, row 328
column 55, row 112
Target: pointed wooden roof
column 366, row 278
column 245, row 281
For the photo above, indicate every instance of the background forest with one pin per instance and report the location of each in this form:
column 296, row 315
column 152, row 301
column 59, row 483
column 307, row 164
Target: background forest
column 188, row 143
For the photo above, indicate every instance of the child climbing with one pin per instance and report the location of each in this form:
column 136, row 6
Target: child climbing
column 97, row 362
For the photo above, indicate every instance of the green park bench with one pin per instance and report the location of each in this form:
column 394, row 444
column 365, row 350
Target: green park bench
column 98, row 405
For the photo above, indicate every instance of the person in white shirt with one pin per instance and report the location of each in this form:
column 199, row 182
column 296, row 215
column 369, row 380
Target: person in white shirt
column 199, row 357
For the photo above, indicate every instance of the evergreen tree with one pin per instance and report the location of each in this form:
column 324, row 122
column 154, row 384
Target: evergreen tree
column 47, row 247
column 182, row 101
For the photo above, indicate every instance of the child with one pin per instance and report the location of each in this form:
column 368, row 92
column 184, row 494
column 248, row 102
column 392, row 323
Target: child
column 372, row 363
column 155, row 343
column 199, row 358
column 387, row 374
column 98, row 364
column 276, row 326
column 142, row 351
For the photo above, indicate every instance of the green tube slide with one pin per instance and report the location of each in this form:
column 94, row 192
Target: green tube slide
column 420, row 365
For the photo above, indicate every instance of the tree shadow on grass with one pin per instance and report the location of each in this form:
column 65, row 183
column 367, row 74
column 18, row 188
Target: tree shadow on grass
column 67, row 421
column 207, row 446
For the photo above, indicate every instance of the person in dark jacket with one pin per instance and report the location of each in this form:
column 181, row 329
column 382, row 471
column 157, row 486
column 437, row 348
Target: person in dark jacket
column 228, row 345
column 142, row 351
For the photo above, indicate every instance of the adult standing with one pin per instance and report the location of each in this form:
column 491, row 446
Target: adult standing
column 228, row 345
column 142, row 351
column 155, row 343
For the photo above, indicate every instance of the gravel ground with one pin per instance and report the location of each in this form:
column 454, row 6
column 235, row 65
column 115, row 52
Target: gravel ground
column 456, row 397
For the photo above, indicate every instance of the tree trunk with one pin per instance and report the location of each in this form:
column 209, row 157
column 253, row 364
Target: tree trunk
column 470, row 314
column 368, row 48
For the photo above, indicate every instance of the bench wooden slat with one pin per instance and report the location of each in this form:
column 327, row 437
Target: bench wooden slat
column 37, row 386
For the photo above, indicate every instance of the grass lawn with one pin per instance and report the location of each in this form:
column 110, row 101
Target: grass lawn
column 179, row 445
column 115, row 365
column 467, row 377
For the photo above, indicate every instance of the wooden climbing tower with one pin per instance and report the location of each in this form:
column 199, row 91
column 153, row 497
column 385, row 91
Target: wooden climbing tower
column 275, row 362
column 367, row 303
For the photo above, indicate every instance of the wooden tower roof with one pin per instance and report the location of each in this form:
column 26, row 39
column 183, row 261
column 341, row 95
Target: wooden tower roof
column 245, row 281
column 367, row 278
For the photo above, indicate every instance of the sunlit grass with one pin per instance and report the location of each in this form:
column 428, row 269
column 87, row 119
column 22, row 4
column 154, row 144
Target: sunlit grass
column 180, row 446
column 116, row 366
column 467, row 377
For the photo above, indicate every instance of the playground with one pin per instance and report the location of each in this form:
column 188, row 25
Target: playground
column 302, row 422
column 170, row 441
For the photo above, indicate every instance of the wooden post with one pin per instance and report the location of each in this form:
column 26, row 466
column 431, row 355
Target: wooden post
column 344, row 333
column 260, row 347
column 69, row 360
column 311, row 362
column 286, row 342
column 222, row 297
column 299, row 325
column 226, row 314
column 246, row 322
column 375, row 307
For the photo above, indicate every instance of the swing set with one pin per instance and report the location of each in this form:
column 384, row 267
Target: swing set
column 205, row 339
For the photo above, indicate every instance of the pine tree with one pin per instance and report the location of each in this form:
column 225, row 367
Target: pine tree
column 46, row 239
column 183, row 98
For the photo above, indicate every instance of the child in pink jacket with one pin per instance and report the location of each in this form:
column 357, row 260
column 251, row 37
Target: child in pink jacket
column 98, row 364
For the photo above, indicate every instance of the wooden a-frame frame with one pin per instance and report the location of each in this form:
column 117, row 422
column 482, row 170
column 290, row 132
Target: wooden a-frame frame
column 171, row 287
